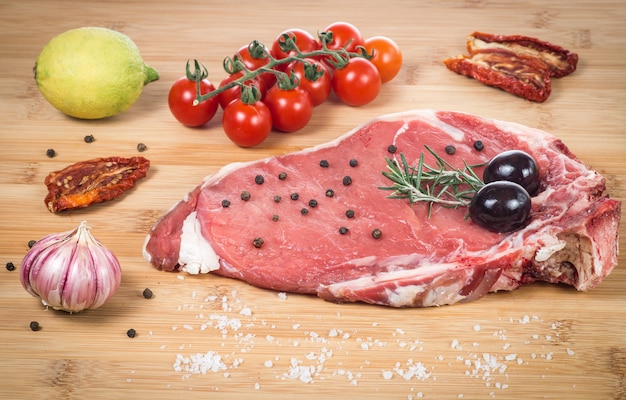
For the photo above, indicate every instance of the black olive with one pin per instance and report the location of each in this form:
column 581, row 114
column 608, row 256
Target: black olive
column 514, row 166
column 500, row 206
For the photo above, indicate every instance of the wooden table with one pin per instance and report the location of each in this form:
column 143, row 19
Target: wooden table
column 541, row 341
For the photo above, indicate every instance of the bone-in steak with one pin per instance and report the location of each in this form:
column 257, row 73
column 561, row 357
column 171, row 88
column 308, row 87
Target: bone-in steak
column 317, row 222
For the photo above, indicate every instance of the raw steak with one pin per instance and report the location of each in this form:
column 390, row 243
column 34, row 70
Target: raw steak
column 310, row 245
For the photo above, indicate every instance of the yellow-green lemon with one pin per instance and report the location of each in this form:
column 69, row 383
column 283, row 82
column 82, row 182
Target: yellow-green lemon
column 92, row 72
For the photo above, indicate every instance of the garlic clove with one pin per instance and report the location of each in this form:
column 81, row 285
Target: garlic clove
column 71, row 271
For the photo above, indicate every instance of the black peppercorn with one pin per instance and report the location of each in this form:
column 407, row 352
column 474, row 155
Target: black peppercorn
column 34, row 326
column 147, row 293
column 141, row 147
column 350, row 213
column 259, row 179
column 450, row 149
column 31, row 243
column 294, row 196
column 330, row 193
column 258, row 242
column 277, row 199
column 304, row 211
column 131, row 333
column 343, row 230
column 51, row 153
column 225, row 203
column 245, row 195
column 377, row 233
column 282, row 176
column 392, row 148
column 353, row 162
column 275, row 217
column 10, row 266
column 347, row 181
column 89, row 139
column 324, row 163
column 312, row 203
column 478, row 145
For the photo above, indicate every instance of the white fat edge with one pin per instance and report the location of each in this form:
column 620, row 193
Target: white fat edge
column 549, row 249
column 146, row 256
column 435, row 296
column 422, row 269
column 196, row 254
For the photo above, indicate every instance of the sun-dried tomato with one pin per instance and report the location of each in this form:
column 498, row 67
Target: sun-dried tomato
column 522, row 76
column 560, row 62
column 521, row 65
column 93, row 181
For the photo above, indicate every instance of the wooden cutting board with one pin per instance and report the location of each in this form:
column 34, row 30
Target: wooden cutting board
column 541, row 341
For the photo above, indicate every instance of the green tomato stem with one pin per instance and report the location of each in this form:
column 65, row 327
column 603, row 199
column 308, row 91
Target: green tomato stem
column 337, row 58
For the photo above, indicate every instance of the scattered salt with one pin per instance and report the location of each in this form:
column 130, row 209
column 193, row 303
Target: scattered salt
column 282, row 295
column 570, row 352
column 199, row 363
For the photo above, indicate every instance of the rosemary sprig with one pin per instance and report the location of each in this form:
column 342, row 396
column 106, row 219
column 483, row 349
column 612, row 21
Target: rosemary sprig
column 444, row 184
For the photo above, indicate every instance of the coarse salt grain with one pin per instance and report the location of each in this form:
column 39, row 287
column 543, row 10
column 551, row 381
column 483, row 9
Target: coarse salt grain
column 570, row 352
column 199, row 363
column 282, row 295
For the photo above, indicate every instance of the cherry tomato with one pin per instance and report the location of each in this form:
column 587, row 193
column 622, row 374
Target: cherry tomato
column 387, row 56
column 228, row 95
column 358, row 83
column 514, row 166
column 255, row 63
column 247, row 125
column 291, row 109
column 304, row 40
column 318, row 89
column 180, row 100
column 345, row 35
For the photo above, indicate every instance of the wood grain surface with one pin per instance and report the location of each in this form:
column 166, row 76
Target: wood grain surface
column 541, row 341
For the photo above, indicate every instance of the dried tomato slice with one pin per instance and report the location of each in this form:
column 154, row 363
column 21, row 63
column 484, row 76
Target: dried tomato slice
column 560, row 62
column 93, row 181
column 522, row 76
column 521, row 65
